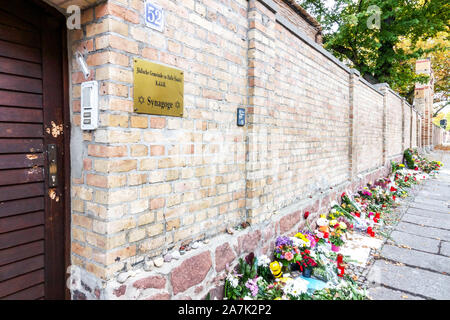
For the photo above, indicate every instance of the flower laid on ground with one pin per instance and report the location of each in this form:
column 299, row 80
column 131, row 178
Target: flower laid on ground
column 294, row 288
column 316, row 250
column 344, row 290
column 418, row 162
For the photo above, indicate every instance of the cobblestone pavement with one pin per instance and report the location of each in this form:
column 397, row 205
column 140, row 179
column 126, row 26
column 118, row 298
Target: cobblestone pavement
column 414, row 263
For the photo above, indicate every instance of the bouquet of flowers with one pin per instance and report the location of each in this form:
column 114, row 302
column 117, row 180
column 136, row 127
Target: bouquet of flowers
column 296, row 289
column 348, row 204
column 415, row 161
column 365, row 193
column 396, row 166
column 285, row 251
column 336, row 240
column 246, row 281
column 304, row 240
column 409, row 160
column 306, row 261
column 338, row 227
column 344, row 290
column 323, row 231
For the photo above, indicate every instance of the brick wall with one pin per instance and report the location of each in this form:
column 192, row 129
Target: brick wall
column 145, row 185
column 394, row 125
column 406, row 125
column 423, row 98
column 289, row 119
column 414, row 126
column 149, row 182
column 294, row 13
column 369, row 128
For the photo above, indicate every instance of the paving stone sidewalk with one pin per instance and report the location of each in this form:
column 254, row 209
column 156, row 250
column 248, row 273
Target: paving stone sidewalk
column 415, row 262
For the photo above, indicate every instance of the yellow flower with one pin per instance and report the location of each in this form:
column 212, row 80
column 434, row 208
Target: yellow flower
column 333, row 222
column 302, row 237
column 401, row 165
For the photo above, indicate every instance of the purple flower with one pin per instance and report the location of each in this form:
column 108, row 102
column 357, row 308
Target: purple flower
column 367, row 193
column 252, row 286
column 283, row 241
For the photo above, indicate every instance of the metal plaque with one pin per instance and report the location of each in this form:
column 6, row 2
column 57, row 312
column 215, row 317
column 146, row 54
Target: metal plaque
column 158, row 89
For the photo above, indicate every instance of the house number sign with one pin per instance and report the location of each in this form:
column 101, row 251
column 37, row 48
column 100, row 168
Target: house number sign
column 154, row 16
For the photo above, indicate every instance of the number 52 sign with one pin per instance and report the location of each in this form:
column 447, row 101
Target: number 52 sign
column 154, row 16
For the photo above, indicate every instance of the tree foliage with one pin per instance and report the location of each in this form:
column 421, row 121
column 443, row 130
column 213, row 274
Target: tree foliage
column 368, row 35
column 438, row 50
column 439, row 117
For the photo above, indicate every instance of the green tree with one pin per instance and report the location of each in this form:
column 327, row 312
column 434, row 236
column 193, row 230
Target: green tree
column 367, row 35
column 438, row 50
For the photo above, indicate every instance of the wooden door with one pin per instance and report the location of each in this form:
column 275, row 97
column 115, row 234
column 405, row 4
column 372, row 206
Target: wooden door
column 32, row 108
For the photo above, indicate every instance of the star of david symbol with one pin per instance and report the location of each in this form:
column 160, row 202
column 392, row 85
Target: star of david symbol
column 141, row 99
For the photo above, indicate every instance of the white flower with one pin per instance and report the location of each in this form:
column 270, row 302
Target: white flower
column 233, row 280
column 296, row 287
column 247, row 298
column 322, row 222
column 299, row 242
column 263, row 261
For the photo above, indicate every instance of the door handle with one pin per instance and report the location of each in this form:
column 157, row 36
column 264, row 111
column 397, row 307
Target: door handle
column 52, row 165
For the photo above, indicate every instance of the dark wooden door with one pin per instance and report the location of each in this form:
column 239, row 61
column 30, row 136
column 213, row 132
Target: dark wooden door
column 32, row 213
